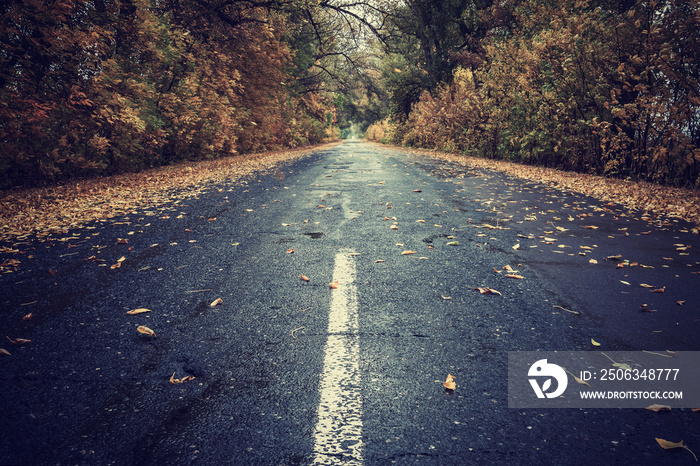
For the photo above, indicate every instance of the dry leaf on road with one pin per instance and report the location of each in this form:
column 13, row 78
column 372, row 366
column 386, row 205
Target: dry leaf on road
column 666, row 445
column 450, row 382
column 175, row 381
column 19, row 341
column 138, row 311
column 657, row 407
column 146, row 331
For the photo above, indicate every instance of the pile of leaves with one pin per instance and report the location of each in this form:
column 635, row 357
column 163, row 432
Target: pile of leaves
column 43, row 211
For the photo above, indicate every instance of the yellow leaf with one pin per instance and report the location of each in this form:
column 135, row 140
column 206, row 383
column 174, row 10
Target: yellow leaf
column 666, row 445
column 514, row 275
column 594, row 343
column 656, row 408
column 146, row 331
column 582, row 382
column 334, row 285
column 175, row 381
column 138, row 311
column 487, row 290
column 216, row 302
column 405, row 253
column 305, row 278
column 450, row 382
column 4, row 352
column 592, row 261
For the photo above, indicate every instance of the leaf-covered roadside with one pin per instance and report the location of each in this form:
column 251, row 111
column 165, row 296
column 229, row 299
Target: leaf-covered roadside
column 650, row 198
column 43, row 211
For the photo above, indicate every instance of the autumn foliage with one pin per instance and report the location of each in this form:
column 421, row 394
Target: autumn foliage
column 100, row 87
column 597, row 87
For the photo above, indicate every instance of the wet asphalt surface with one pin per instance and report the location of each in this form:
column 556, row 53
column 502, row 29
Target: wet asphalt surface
column 90, row 389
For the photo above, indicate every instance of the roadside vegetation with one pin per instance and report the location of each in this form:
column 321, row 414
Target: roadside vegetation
column 597, row 87
column 99, row 87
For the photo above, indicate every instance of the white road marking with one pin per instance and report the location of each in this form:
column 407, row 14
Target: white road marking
column 338, row 435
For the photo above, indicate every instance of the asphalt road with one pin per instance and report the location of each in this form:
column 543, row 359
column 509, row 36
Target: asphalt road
column 293, row 372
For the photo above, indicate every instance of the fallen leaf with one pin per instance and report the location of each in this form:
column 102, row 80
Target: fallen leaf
column 445, row 297
column 487, row 290
column 138, row 311
column 27, row 317
column 19, row 341
column 216, row 302
column 644, row 285
column 582, row 382
column 379, row 261
column 657, row 407
column 175, row 381
column 394, row 227
column 334, row 285
column 514, row 275
column 592, row 261
column 517, row 246
column 4, row 352
column 590, row 227
column 290, row 250
column 450, row 382
column 659, row 290
column 305, row 278
column 453, row 243
column 405, row 253
column 594, row 343
column 666, row 445
column 624, row 282
column 680, row 303
column 146, row 331
column 645, row 308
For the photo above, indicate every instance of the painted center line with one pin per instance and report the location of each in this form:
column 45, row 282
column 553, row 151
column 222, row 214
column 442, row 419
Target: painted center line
column 338, row 434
